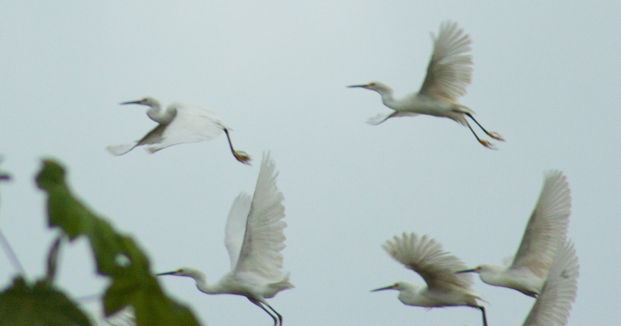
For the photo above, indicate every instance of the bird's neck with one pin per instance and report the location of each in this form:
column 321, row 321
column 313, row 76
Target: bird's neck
column 413, row 296
column 494, row 275
column 387, row 97
column 158, row 115
column 203, row 286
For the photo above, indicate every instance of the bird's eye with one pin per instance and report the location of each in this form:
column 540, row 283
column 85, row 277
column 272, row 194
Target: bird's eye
column 371, row 84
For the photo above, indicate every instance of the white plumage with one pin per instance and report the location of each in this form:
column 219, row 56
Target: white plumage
column 448, row 73
column 255, row 240
column 178, row 124
column 437, row 267
column 559, row 291
column 545, row 232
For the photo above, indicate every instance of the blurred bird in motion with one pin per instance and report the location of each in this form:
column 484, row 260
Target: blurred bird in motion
column 254, row 240
column 448, row 73
column 437, row 267
column 178, row 124
column 545, row 233
column 559, row 290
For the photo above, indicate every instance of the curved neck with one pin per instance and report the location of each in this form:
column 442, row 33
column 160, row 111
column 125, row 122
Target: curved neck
column 387, row 96
column 158, row 115
column 493, row 274
column 201, row 284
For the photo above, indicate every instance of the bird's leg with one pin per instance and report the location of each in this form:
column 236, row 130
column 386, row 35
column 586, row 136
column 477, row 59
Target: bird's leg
column 260, row 305
column 274, row 311
column 481, row 141
column 241, row 156
column 492, row 134
column 483, row 312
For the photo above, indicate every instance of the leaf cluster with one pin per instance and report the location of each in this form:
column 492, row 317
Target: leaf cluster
column 117, row 257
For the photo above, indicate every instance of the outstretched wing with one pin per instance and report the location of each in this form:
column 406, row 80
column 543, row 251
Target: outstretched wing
column 264, row 238
column 426, row 257
column 450, row 68
column 381, row 117
column 559, row 290
column 547, row 226
column 235, row 226
column 154, row 136
column 191, row 124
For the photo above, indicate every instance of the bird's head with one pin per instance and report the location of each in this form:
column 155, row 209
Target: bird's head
column 374, row 86
column 148, row 101
column 184, row 271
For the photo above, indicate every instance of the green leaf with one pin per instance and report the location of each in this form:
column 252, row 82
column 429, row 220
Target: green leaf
column 40, row 304
column 116, row 256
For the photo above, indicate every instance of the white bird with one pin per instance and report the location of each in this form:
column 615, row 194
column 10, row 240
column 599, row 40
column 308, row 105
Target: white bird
column 178, row 124
column 545, row 232
column 437, row 267
column 448, row 73
column 125, row 317
column 254, row 240
column 559, row 291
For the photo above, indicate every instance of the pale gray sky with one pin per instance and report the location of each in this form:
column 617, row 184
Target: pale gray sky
column 546, row 76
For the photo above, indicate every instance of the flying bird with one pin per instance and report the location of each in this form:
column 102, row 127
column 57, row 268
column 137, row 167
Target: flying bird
column 545, row 232
column 559, row 290
column 437, row 267
column 254, row 240
column 178, row 124
column 448, row 73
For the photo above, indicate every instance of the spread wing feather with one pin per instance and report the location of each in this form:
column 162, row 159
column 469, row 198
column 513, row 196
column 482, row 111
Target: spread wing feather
column 559, row 291
column 450, row 68
column 426, row 257
column 547, row 226
column 236, row 225
column 191, row 124
column 264, row 233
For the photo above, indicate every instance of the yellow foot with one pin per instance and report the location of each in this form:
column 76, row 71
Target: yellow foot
column 495, row 135
column 487, row 144
column 242, row 157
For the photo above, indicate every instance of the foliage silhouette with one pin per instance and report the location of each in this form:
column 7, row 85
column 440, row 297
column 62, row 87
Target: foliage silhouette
column 117, row 257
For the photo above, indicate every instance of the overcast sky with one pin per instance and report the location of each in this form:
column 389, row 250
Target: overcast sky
column 547, row 76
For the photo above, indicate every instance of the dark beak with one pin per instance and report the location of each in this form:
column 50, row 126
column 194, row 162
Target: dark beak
column 473, row 270
column 390, row 287
column 166, row 273
column 131, row 102
column 358, row 86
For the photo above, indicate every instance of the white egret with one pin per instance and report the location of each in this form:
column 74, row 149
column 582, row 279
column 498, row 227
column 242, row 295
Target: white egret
column 437, row 267
column 125, row 317
column 178, row 124
column 559, row 290
column 545, row 232
column 448, row 73
column 254, row 240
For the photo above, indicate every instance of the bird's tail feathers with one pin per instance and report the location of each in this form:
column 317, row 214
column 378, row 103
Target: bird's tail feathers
column 121, row 149
column 282, row 284
column 478, row 297
column 463, row 109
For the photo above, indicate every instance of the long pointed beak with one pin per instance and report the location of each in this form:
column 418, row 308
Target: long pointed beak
column 390, row 287
column 472, row 270
column 130, row 102
column 166, row 273
column 358, row 86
